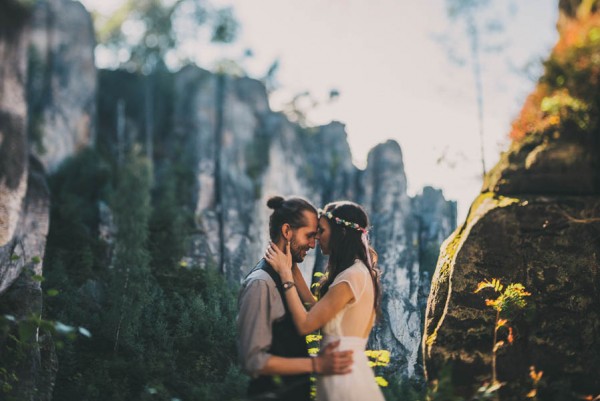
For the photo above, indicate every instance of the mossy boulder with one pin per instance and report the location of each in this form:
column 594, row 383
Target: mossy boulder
column 548, row 244
column 552, row 162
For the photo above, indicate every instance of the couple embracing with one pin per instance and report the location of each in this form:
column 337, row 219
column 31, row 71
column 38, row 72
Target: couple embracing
column 277, row 309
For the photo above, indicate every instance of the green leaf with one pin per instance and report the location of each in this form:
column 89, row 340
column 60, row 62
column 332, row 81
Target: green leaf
column 62, row 328
column 85, row 332
column 38, row 278
column 10, row 317
column 52, row 292
column 26, row 330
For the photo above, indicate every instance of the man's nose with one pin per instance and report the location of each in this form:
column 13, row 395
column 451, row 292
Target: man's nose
column 312, row 243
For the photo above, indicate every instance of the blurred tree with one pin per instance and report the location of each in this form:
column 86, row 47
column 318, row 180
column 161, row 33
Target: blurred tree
column 142, row 34
column 147, row 36
column 299, row 106
column 270, row 78
column 483, row 33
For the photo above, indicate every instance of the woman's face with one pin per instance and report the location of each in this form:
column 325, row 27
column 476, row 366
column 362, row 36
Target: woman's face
column 324, row 234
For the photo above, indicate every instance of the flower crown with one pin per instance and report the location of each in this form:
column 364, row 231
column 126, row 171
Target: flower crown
column 342, row 222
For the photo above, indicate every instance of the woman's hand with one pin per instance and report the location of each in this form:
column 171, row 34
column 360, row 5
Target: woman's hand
column 281, row 262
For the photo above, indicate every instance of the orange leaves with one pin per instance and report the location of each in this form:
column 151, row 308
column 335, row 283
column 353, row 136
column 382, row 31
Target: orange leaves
column 535, row 376
column 531, row 115
column 571, row 71
column 510, row 337
column 495, row 284
column 510, row 297
column 490, row 302
column 576, row 33
column 546, row 109
column 482, row 285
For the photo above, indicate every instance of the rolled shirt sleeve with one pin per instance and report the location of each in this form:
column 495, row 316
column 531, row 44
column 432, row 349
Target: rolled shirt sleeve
column 259, row 305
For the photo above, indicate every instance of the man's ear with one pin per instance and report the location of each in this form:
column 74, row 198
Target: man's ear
column 286, row 232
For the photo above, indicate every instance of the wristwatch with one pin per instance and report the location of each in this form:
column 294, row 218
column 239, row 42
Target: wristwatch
column 287, row 285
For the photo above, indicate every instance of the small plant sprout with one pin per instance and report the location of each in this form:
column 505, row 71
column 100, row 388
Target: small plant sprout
column 379, row 357
column 509, row 299
column 535, row 378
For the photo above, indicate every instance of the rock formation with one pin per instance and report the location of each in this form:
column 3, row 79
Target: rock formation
column 24, row 196
column 61, row 87
column 536, row 222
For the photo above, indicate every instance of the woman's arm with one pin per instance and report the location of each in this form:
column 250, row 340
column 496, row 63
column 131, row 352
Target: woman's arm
column 323, row 311
column 305, row 294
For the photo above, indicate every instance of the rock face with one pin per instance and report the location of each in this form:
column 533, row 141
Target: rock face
column 242, row 154
column 59, row 107
column 395, row 237
column 545, row 244
column 62, row 81
column 33, row 361
column 24, row 213
column 13, row 116
column 535, row 223
column 436, row 217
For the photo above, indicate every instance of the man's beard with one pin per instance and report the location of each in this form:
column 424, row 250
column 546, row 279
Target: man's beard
column 296, row 252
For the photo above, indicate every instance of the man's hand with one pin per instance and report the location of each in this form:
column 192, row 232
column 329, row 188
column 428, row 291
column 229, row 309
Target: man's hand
column 331, row 362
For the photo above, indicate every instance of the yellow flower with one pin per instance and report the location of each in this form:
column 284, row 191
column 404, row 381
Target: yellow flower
column 381, row 381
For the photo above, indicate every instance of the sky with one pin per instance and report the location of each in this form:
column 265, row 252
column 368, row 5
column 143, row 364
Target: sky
column 396, row 77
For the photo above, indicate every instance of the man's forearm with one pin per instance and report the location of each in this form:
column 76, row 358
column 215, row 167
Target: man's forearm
column 329, row 362
column 277, row 365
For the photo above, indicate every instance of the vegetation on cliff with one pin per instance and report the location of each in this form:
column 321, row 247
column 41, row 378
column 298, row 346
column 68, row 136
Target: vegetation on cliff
column 160, row 329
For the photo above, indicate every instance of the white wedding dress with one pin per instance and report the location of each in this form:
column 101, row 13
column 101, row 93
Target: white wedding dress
column 352, row 326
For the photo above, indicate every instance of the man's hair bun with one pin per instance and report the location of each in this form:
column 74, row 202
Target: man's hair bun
column 275, row 202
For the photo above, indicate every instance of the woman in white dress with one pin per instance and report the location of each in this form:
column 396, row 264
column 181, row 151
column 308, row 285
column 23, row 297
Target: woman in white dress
column 349, row 298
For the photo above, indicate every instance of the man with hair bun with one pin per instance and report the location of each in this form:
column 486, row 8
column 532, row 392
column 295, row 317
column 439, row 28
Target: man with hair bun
column 269, row 344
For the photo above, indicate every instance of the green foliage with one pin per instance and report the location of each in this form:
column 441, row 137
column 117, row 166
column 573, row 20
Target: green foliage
column 509, row 300
column 403, row 390
column 147, row 30
column 20, row 339
column 159, row 331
